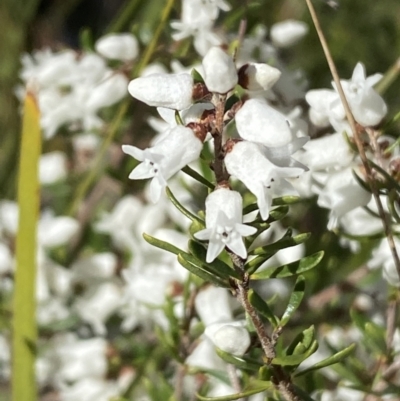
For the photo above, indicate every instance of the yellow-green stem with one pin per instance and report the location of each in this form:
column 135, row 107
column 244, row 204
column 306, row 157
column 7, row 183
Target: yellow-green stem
column 24, row 301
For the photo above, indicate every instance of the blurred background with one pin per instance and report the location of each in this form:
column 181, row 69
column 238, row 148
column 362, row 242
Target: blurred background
column 357, row 30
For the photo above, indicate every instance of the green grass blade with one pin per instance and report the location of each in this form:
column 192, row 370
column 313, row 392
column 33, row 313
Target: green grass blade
column 24, row 302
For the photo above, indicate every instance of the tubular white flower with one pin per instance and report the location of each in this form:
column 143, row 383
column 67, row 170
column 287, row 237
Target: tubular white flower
column 165, row 158
column 224, row 222
column 220, row 74
column 328, row 152
column 258, row 122
column 123, row 46
column 247, row 162
column 173, row 91
column 111, row 90
column 258, row 76
column 341, row 194
column 287, row 33
column 366, row 104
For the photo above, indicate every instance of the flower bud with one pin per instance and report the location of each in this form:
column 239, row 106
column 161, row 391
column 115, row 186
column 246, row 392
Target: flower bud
column 122, row 46
column 287, row 33
column 231, row 337
column 52, row 167
column 258, row 122
column 173, row 91
column 258, row 76
column 220, row 73
column 111, row 90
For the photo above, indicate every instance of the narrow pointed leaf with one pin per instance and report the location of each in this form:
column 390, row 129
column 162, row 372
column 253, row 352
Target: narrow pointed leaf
column 302, row 341
column 286, row 200
column 180, row 207
column 162, row 244
column 291, row 269
column 295, row 299
column 295, row 359
column 284, row 242
column 197, row 78
column 199, row 272
column 338, row 357
column 237, row 361
column 198, row 177
column 262, row 308
column 218, row 267
column 254, row 387
column 24, row 298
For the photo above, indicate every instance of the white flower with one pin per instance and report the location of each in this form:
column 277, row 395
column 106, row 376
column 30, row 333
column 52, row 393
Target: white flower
column 367, row 105
column 258, row 122
column 329, row 152
column 54, row 231
column 341, row 194
column 224, row 224
column 247, row 162
column 177, row 149
column 287, row 33
column 111, row 90
column 173, row 91
column 220, row 74
column 52, row 167
column 213, row 305
column 98, row 304
column 123, row 46
column 258, row 76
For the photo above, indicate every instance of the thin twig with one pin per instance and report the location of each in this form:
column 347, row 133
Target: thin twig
column 356, row 135
column 234, row 379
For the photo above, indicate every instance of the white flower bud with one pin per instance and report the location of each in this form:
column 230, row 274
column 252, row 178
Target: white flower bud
column 258, row 122
column 230, row 337
column 173, row 91
column 220, row 73
column 258, row 76
column 52, row 167
column 111, row 90
column 122, row 46
column 212, row 305
column 56, row 231
column 287, row 33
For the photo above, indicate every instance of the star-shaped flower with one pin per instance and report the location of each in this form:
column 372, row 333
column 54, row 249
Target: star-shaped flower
column 224, row 224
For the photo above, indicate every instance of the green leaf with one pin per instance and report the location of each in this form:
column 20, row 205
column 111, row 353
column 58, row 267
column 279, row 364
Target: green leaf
column 190, row 263
column 284, row 242
column 162, row 244
column 286, row 200
column 274, row 215
column 302, row 342
column 254, row 387
column 304, row 396
column 197, row 78
column 178, row 118
column 295, row 299
column 239, row 362
column 374, row 335
column 217, row 267
column 198, row 177
column 24, row 297
column 295, row 359
column 181, row 208
column 338, row 357
column 262, row 308
column 291, row 269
